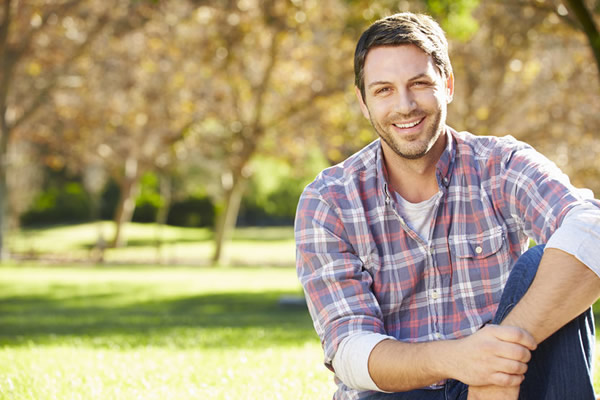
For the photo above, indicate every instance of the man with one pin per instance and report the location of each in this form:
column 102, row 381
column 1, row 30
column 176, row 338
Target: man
column 412, row 252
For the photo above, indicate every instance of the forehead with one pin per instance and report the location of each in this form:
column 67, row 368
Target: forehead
column 391, row 63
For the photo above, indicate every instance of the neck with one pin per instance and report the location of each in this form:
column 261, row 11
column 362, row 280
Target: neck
column 414, row 180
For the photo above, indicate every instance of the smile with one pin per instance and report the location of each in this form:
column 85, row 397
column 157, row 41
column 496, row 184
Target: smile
column 409, row 124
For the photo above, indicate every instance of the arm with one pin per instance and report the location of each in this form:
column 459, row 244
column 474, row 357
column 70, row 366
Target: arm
column 493, row 355
column 563, row 288
column 535, row 192
column 567, row 282
column 337, row 288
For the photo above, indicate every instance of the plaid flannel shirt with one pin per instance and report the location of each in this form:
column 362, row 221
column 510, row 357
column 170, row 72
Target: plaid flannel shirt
column 363, row 268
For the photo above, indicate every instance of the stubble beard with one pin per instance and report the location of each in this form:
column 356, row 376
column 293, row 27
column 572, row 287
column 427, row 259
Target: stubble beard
column 431, row 136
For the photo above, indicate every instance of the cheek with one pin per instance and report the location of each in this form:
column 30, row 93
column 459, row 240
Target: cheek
column 432, row 101
column 382, row 108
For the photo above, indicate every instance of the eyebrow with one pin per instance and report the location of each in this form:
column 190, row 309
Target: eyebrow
column 414, row 78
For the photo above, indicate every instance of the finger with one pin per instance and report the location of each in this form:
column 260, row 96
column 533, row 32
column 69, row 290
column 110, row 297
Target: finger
column 512, row 351
column 510, row 367
column 515, row 335
column 506, row 380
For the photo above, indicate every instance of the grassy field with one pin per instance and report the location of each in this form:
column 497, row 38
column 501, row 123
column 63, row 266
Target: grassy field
column 135, row 331
column 156, row 333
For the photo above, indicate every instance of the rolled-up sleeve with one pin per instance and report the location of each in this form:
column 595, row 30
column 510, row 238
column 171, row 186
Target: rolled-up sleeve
column 579, row 235
column 336, row 286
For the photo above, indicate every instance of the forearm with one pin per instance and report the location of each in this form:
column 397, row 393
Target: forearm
column 397, row 367
column 562, row 289
column 493, row 355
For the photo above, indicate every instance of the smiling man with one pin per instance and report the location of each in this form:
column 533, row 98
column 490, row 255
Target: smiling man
column 413, row 252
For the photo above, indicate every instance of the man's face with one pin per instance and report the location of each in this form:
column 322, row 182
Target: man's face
column 406, row 98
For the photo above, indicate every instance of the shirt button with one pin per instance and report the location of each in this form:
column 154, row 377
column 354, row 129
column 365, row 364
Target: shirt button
column 478, row 249
column 435, row 295
column 445, row 181
column 438, row 335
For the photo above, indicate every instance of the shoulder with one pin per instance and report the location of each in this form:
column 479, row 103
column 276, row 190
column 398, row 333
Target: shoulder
column 346, row 179
column 484, row 147
column 491, row 152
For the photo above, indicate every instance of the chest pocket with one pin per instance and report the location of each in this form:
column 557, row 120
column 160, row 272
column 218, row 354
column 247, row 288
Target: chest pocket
column 480, row 246
column 482, row 264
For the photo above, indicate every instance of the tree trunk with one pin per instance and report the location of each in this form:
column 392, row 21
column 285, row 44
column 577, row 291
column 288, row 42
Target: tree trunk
column 4, row 136
column 589, row 27
column 126, row 205
column 166, row 190
column 3, row 187
column 97, row 252
column 227, row 218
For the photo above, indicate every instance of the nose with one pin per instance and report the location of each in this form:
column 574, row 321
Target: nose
column 405, row 102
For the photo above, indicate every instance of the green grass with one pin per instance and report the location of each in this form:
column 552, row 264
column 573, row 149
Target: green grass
column 156, row 333
column 272, row 246
column 142, row 332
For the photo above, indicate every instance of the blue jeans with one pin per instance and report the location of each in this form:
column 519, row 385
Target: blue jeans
column 561, row 366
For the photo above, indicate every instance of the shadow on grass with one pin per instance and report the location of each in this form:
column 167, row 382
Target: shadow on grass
column 151, row 242
column 221, row 320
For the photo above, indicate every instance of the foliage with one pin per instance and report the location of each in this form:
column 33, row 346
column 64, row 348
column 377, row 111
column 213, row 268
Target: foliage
column 513, row 79
column 271, row 199
column 66, row 203
column 275, row 188
column 39, row 44
column 192, row 211
column 198, row 94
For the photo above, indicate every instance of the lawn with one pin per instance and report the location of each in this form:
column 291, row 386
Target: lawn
column 133, row 331
column 156, row 333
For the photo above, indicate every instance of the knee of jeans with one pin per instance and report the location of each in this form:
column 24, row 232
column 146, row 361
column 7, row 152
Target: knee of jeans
column 527, row 265
column 519, row 280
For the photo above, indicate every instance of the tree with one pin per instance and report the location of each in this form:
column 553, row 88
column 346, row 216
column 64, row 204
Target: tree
column 135, row 106
column 39, row 43
column 577, row 14
column 265, row 70
column 530, row 80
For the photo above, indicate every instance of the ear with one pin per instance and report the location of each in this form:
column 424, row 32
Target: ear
column 450, row 88
column 361, row 102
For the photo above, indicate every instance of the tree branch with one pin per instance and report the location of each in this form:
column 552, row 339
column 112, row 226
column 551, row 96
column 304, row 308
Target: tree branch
column 28, row 37
column 43, row 94
column 302, row 105
column 4, row 25
column 588, row 26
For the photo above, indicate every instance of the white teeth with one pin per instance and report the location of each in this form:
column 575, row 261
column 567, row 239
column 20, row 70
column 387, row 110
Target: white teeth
column 409, row 125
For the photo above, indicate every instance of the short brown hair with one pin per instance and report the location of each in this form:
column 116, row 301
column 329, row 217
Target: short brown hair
column 398, row 29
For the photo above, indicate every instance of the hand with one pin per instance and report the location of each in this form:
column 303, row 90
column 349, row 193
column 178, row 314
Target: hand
column 494, row 355
column 493, row 393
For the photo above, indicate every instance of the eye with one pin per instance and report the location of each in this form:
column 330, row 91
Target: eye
column 383, row 90
column 421, row 83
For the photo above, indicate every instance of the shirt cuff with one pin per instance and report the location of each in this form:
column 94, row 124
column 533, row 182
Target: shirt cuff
column 579, row 235
column 351, row 361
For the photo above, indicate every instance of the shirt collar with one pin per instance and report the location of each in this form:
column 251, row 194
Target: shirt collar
column 445, row 165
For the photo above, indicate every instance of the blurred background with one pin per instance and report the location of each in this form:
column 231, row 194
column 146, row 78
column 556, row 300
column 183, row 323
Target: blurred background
column 215, row 114
column 152, row 153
